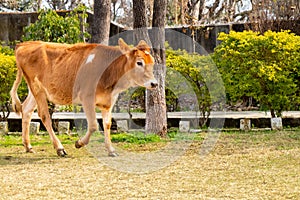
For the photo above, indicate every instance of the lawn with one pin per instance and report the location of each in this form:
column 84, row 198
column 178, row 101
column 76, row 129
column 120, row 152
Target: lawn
column 241, row 165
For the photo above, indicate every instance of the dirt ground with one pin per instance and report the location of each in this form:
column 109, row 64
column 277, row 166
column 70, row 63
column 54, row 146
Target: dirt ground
column 235, row 169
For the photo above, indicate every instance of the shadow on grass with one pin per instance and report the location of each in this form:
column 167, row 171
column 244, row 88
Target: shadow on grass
column 18, row 160
column 16, row 155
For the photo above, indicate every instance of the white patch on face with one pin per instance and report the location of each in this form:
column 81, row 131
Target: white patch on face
column 90, row 58
column 148, row 83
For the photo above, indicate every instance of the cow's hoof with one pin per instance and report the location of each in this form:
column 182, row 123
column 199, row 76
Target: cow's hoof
column 113, row 154
column 29, row 150
column 61, row 152
column 78, row 145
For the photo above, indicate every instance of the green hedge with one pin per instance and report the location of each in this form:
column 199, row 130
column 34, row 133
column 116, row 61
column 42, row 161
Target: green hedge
column 51, row 27
column 263, row 66
column 203, row 77
column 7, row 76
column 8, row 72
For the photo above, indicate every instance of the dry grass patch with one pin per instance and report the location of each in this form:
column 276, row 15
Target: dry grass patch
column 254, row 165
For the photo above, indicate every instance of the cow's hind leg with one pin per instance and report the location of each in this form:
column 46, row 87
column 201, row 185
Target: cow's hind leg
column 27, row 109
column 43, row 112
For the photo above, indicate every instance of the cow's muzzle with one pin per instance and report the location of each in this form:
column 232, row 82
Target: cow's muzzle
column 152, row 84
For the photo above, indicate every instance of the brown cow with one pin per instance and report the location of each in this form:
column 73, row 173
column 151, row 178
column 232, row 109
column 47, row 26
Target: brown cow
column 90, row 74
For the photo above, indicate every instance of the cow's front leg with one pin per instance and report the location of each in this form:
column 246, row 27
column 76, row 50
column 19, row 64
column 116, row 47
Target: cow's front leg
column 106, row 117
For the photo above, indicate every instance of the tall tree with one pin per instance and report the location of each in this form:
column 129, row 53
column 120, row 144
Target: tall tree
column 156, row 116
column 20, row 5
column 122, row 12
column 140, row 21
column 63, row 4
column 274, row 15
column 101, row 23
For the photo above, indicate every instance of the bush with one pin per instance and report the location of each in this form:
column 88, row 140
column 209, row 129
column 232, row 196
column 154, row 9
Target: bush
column 5, row 50
column 263, row 66
column 7, row 76
column 50, row 27
column 201, row 73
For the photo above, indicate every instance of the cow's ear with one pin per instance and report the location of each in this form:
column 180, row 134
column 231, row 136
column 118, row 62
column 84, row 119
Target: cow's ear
column 142, row 43
column 143, row 46
column 123, row 46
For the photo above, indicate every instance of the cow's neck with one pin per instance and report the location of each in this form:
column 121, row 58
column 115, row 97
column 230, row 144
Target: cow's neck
column 124, row 83
column 117, row 76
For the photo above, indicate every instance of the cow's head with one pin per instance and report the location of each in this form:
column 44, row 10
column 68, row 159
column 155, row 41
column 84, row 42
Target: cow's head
column 141, row 64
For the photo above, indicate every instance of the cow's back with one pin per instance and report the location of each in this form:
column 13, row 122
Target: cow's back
column 52, row 67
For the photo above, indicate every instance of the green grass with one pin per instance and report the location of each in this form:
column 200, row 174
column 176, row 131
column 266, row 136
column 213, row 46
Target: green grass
column 133, row 141
column 137, row 140
column 36, row 140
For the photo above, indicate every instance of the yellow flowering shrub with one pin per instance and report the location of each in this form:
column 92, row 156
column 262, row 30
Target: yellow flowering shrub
column 263, row 66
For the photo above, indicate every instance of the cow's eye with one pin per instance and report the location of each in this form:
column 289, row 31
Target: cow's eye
column 139, row 63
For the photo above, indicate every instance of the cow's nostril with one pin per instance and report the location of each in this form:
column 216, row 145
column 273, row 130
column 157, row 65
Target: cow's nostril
column 154, row 85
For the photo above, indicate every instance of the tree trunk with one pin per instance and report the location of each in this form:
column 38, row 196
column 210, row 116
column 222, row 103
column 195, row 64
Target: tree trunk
column 156, row 117
column 140, row 21
column 182, row 14
column 194, row 10
column 176, row 11
column 101, row 24
column 139, row 14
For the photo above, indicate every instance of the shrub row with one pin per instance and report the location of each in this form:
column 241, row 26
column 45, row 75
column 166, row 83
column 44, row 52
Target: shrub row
column 7, row 71
column 246, row 65
column 263, row 66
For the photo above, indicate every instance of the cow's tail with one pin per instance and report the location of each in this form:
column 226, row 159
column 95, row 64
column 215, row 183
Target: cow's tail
column 16, row 103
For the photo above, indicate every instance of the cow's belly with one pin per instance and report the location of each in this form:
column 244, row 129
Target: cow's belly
column 59, row 96
column 55, row 93
column 60, row 89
